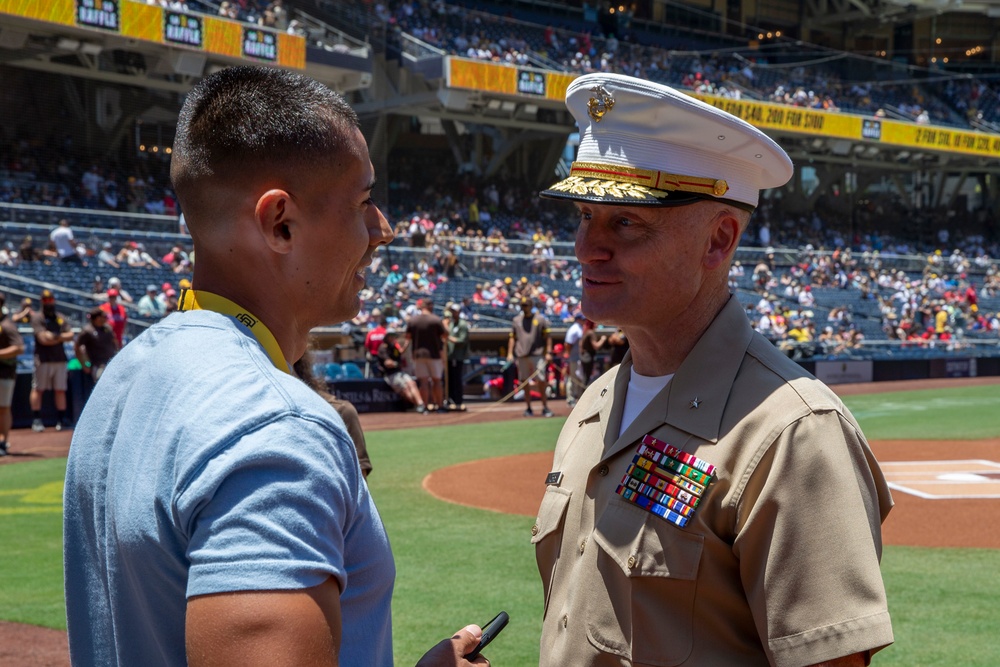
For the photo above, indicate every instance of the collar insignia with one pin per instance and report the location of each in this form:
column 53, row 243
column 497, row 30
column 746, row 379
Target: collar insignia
column 601, row 104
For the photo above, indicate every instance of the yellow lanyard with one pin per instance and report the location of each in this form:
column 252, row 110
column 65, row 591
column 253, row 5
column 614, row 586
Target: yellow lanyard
column 200, row 300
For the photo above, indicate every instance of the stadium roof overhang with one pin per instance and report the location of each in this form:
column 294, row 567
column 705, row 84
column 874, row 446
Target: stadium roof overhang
column 473, row 107
column 113, row 58
column 477, row 93
column 831, row 13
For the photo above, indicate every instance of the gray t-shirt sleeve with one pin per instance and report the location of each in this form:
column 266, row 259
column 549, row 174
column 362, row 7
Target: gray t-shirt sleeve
column 271, row 511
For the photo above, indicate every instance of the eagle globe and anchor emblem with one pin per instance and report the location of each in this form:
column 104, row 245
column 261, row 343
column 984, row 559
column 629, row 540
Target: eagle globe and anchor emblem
column 601, row 104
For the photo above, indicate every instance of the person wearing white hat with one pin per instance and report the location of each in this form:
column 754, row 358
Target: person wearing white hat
column 710, row 503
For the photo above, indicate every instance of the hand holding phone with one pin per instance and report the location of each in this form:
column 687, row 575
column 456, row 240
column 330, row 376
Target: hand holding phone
column 490, row 631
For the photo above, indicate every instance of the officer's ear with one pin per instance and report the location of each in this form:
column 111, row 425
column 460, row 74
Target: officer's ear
column 725, row 227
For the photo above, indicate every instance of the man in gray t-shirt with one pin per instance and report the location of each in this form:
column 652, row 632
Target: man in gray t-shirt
column 214, row 509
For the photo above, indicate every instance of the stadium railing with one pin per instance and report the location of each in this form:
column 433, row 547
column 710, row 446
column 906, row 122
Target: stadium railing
column 130, row 224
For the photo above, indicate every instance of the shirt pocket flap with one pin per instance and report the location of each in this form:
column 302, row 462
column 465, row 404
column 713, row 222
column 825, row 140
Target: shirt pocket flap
column 644, row 545
column 550, row 513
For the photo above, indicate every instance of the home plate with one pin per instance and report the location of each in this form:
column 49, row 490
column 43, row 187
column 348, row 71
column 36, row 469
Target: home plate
column 940, row 480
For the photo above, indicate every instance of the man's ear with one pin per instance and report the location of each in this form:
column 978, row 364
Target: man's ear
column 726, row 229
column 275, row 214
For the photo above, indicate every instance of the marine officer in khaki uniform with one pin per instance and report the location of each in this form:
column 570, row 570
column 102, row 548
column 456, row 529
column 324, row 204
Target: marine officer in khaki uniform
column 710, row 503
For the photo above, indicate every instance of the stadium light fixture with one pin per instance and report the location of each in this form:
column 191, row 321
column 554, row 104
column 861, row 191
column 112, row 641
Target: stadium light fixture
column 91, row 49
column 66, row 44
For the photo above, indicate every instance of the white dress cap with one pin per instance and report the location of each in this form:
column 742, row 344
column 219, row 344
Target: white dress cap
column 643, row 143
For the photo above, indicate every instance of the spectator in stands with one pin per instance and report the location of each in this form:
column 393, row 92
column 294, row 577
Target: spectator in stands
column 374, row 337
column 166, row 297
column 8, row 255
column 96, row 344
column 575, row 380
column 11, row 347
column 390, row 367
column 427, row 338
column 27, row 250
column 51, row 330
column 458, row 352
column 177, row 260
column 135, row 255
column 114, row 282
column 106, row 257
column 91, row 185
column 109, row 196
column 530, row 346
column 117, row 317
column 149, row 305
column 25, row 313
column 62, row 237
column 590, row 343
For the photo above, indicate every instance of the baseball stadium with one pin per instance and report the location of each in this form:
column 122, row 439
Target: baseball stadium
column 876, row 268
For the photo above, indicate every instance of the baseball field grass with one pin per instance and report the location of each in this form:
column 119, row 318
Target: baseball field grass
column 458, row 565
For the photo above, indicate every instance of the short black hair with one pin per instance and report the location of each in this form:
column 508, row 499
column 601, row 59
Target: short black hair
column 248, row 117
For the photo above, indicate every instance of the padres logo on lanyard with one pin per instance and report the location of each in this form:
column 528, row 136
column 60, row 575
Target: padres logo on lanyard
column 200, row 300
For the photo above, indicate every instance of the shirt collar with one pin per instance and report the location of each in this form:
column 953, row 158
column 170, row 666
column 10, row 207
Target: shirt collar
column 695, row 399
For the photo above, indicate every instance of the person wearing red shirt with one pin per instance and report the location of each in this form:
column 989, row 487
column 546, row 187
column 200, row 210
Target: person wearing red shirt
column 117, row 317
column 374, row 338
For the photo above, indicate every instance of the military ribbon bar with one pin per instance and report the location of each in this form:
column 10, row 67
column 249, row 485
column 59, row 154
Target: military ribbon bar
column 664, row 477
column 636, row 481
column 665, row 481
column 651, row 505
column 683, row 457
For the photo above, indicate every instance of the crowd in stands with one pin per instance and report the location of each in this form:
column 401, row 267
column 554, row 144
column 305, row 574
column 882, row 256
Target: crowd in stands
column 941, row 305
column 50, row 172
column 827, row 293
column 772, row 75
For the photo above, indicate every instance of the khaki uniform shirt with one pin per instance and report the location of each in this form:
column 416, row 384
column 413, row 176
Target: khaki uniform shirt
column 779, row 563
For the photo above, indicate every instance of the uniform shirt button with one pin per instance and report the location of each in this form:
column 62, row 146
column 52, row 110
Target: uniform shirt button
column 603, row 471
column 631, row 562
column 534, row 530
column 583, row 545
column 565, row 620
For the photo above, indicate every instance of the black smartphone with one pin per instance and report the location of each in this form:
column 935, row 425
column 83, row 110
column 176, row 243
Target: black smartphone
column 490, row 631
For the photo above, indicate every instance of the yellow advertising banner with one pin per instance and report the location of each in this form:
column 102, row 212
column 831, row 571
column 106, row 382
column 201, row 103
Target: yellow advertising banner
column 558, row 83
column 481, row 75
column 827, row 124
column 510, row 80
column 143, row 22
column 507, row 79
column 152, row 23
column 792, row 119
column 939, row 138
column 223, row 37
column 53, row 11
